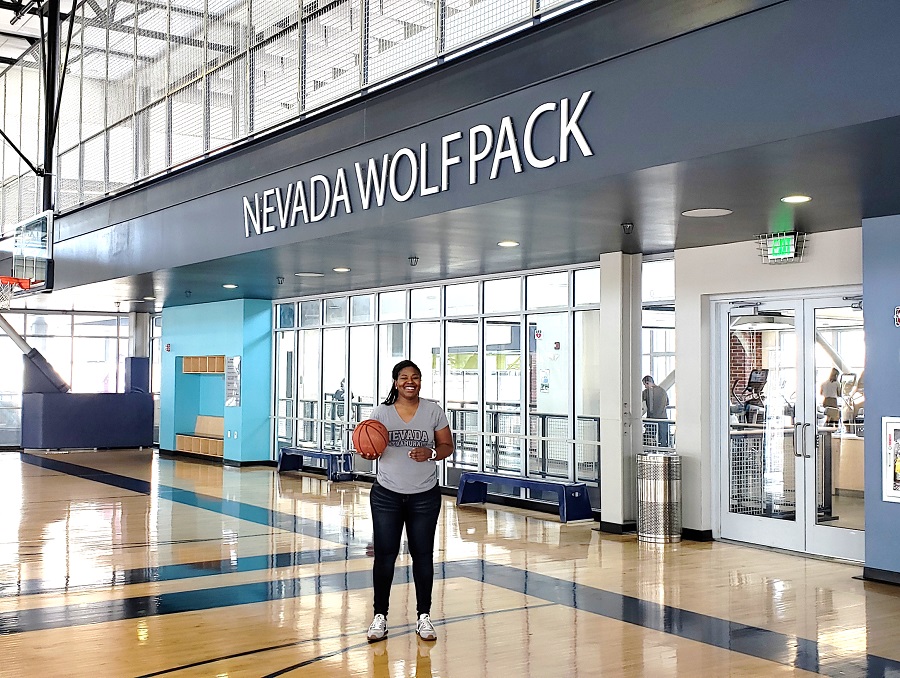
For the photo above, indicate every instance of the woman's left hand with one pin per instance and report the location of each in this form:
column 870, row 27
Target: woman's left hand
column 420, row 453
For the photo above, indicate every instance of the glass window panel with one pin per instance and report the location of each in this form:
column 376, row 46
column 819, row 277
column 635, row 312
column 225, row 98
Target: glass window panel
column 502, row 296
column 588, row 386
column 391, row 350
column 308, row 387
column 362, row 383
column 284, row 388
column 425, row 351
column 336, row 311
column 334, row 383
column 49, row 325
column 463, row 393
column 95, row 326
column 587, row 286
column 658, row 280
column 361, row 308
column 462, row 299
column 392, row 305
column 95, row 369
column 425, row 302
column 547, row 289
column 285, row 315
column 310, row 313
column 548, row 399
column 503, row 382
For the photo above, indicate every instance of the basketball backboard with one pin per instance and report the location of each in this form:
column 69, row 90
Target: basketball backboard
column 26, row 251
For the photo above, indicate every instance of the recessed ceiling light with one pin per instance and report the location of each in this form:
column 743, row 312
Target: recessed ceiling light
column 508, row 243
column 796, row 199
column 230, row 286
column 149, row 298
column 309, row 274
column 707, row 212
column 341, row 269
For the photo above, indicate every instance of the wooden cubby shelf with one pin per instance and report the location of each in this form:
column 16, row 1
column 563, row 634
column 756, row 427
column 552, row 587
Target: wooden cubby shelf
column 203, row 364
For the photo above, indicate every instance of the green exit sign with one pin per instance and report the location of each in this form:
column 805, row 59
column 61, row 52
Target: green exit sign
column 781, row 247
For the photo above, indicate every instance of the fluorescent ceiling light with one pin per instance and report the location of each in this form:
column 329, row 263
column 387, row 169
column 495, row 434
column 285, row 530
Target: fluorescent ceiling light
column 508, row 243
column 149, row 298
column 309, row 274
column 707, row 212
column 341, row 269
column 230, row 286
column 796, row 199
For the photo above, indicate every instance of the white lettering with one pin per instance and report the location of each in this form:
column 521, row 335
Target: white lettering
column 446, row 159
column 414, row 171
column 251, row 215
column 284, row 205
column 340, row 193
column 507, row 137
column 372, row 179
column 300, row 204
column 314, row 181
column 424, row 188
column 568, row 126
column 533, row 160
column 268, row 208
column 476, row 155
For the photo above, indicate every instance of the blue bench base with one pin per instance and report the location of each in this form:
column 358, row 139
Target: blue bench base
column 574, row 503
column 339, row 464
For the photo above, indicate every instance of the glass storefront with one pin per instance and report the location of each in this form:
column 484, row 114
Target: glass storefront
column 513, row 360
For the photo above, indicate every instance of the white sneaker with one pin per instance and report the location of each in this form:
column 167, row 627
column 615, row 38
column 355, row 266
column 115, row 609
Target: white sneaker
column 425, row 628
column 378, row 629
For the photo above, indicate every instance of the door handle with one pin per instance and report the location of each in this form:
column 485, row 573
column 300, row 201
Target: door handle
column 808, row 456
column 797, row 439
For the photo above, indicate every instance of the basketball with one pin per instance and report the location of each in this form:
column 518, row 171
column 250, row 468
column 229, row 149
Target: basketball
column 370, row 438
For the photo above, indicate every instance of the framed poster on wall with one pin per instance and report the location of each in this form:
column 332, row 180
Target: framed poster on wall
column 890, row 454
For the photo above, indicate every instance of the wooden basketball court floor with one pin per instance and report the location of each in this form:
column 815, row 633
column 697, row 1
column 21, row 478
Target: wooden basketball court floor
column 122, row 563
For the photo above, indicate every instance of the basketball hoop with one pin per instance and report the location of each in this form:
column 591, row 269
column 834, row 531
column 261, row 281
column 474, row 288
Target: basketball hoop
column 8, row 287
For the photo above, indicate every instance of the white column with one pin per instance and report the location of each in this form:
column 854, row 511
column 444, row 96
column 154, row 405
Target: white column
column 139, row 335
column 620, row 404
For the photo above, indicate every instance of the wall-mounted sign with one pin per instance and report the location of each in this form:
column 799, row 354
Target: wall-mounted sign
column 781, row 248
column 233, row 381
column 896, row 316
column 890, row 454
column 481, row 151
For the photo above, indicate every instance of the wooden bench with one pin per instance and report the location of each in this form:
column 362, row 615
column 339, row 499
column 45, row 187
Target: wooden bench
column 339, row 464
column 574, row 503
column 208, row 437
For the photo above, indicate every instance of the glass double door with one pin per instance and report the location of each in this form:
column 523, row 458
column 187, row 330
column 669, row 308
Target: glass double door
column 791, row 443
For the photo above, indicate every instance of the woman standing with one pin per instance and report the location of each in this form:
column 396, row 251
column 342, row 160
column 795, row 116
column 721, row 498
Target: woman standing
column 829, row 392
column 406, row 493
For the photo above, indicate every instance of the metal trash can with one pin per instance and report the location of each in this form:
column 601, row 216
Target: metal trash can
column 659, row 498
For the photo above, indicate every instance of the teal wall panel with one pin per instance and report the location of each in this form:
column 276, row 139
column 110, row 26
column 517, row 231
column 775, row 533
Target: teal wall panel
column 240, row 328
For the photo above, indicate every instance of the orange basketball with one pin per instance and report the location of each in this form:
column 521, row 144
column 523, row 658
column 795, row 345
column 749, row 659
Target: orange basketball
column 370, row 438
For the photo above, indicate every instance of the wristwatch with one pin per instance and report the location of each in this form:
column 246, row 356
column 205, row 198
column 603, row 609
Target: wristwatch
column 433, row 456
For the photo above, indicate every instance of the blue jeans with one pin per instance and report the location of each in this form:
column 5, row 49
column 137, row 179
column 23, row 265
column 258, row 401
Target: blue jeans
column 419, row 513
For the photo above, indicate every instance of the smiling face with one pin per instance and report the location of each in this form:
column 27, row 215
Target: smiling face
column 408, row 383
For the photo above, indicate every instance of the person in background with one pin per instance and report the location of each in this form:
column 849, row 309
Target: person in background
column 406, row 494
column 829, row 390
column 655, row 401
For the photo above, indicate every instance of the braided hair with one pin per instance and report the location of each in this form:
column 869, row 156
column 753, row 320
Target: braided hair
column 395, row 373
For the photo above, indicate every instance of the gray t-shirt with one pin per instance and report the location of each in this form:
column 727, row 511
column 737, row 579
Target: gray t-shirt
column 396, row 471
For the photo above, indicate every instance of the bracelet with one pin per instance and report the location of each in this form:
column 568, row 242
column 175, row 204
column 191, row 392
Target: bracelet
column 433, row 456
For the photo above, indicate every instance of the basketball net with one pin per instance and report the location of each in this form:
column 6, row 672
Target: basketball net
column 8, row 287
